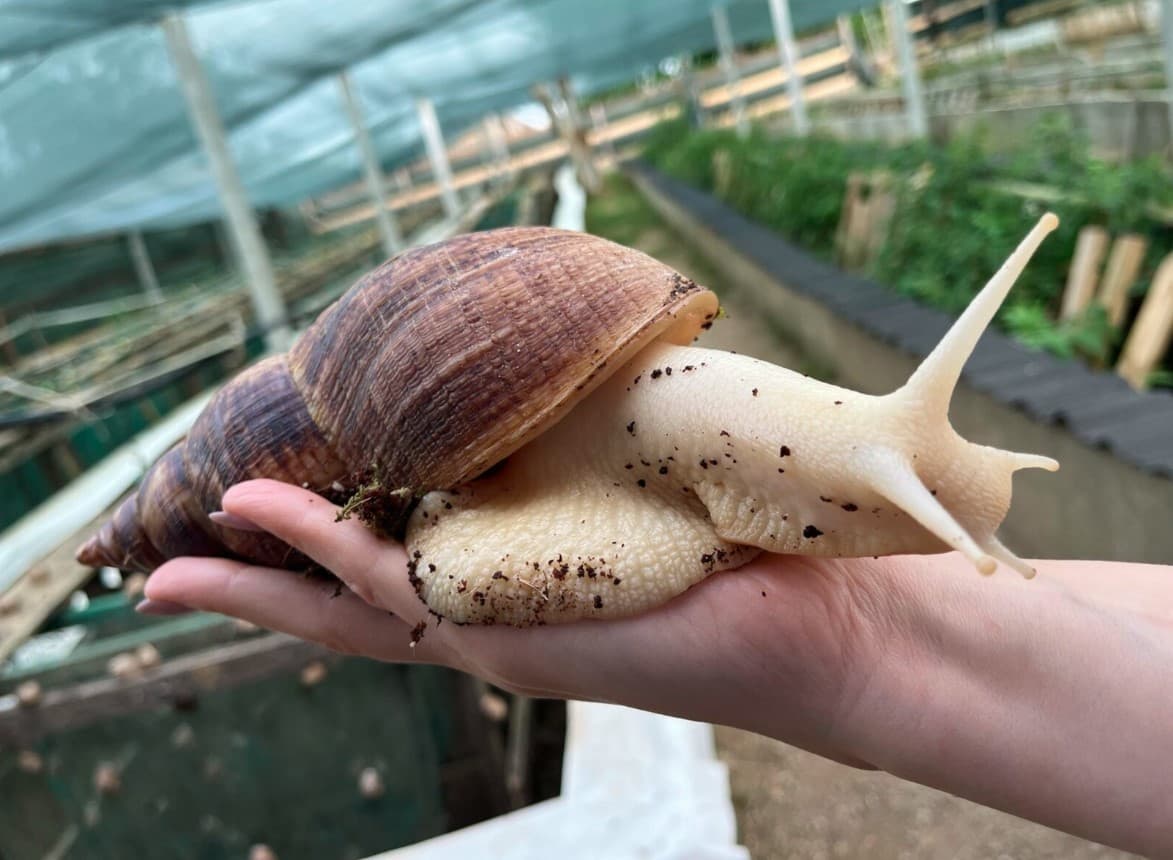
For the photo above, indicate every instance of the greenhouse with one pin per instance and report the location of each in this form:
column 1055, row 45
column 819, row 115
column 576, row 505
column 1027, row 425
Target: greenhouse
column 514, row 429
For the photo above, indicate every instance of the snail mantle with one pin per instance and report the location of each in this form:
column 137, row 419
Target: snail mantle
column 567, row 453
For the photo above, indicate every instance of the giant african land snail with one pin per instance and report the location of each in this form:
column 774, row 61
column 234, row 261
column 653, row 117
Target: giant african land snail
column 529, row 394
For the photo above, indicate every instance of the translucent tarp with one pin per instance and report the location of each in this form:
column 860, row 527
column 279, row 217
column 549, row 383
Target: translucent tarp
column 94, row 134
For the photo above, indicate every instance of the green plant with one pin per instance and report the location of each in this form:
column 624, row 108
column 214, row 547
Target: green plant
column 1089, row 336
column 960, row 208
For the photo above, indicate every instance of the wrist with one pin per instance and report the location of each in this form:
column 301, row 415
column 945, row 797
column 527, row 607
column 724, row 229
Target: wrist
column 1020, row 695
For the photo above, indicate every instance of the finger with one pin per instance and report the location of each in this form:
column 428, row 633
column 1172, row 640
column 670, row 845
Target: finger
column 375, row 569
column 294, row 604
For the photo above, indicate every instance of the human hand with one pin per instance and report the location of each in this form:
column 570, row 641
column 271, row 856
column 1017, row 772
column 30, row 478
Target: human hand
column 773, row 647
column 1045, row 698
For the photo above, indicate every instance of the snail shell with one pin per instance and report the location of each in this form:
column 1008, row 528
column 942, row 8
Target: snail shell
column 429, row 371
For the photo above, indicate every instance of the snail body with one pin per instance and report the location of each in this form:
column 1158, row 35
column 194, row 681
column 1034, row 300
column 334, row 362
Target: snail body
column 562, row 452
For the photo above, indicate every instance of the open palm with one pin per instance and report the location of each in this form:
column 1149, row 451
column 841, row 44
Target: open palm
column 768, row 647
column 1006, row 691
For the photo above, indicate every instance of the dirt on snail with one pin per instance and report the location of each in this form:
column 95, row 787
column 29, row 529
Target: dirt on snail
column 524, row 409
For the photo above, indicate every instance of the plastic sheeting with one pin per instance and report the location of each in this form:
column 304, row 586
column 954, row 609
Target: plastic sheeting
column 94, row 136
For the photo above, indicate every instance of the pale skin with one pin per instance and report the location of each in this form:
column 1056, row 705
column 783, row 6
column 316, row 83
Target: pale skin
column 1050, row 698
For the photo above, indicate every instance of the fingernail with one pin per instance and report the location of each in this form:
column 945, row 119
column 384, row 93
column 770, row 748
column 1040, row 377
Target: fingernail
column 161, row 607
column 232, row 521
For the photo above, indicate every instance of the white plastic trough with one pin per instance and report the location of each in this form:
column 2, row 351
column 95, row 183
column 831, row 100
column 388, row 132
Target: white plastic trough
column 635, row 786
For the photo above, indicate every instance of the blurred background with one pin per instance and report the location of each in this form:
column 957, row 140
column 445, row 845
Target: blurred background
column 184, row 186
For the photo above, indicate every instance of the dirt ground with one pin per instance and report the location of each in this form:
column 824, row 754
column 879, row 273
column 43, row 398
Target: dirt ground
column 791, row 804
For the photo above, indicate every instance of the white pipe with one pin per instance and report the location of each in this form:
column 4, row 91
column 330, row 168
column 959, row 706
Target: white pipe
column 245, row 234
column 914, row 99
column 788, row 53
column 732, row 80
column 372, row 173
column 570, row 210
column 438, row 156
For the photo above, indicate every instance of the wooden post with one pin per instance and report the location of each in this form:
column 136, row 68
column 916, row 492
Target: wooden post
column 1150, row 335
column 1084, row 273
column 847, row 230
column 1123, row 266
column 881, row 207
column 722, row 173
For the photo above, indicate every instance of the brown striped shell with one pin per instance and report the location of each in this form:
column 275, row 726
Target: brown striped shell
column 431, row 369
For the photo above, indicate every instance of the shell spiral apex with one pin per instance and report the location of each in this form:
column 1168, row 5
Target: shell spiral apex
column 529, row 406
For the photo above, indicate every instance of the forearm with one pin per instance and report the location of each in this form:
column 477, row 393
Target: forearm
column 1032, row 697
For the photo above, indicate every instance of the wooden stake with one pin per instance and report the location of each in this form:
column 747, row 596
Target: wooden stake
column 1123, row 266
column 881, row 206
column 1084, row 273
column 722, row 172
column 1150, row 335
column 847, row 217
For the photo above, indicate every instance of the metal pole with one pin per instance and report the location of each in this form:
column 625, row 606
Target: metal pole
column 438, row 156
column 732, row 81
column 372, row 172
column 788, row 53
column 1167, row 50
column 142, row 266
column 914, row 100
column 242, row 225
